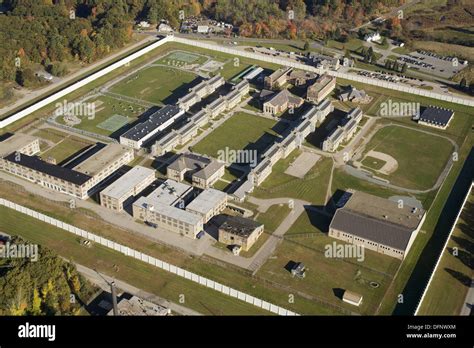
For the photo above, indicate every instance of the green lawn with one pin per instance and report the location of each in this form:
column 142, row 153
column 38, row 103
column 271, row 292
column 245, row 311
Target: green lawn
column 241, row 131
column 324, row 275
column 421, row 157
column 105, row 107
column 452, row 279
column 155, row 84
column 273, row 217
column 373, row 163
column 351, row 45
column 311, row 188
column 117, row 265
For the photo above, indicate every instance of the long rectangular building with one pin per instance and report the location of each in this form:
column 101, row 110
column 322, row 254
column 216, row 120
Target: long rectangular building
column 130, row 184
column 80, row 181
column 157, row 122
column 378, row 224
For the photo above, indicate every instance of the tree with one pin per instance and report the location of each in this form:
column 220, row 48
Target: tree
column 36, row 303
column 404, row 68
column 306, row 46
column 463, row 83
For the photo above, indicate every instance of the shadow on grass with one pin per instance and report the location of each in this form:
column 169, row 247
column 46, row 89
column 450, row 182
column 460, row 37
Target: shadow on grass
column 418, row 280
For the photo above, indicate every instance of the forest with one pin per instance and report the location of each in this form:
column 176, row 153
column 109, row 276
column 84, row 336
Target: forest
column 49, row 32
column 48, row 286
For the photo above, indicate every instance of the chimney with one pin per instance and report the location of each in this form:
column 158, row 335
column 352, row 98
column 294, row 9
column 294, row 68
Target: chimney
column 114, row 298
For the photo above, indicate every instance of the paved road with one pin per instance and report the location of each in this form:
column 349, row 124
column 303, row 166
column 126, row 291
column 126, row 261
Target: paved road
column 104, row 281
column 27, row 97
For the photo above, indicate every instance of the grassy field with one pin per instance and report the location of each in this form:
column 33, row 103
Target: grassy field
column 66, row 148
column 373, row 163
column 311, row 188
column 452, row 279
column 326, row 277
column 207, row 267
column 241, row 131
column 421, row 157
column 353, row 45
column 155, row 84
column 105, row 107
column 273, row 217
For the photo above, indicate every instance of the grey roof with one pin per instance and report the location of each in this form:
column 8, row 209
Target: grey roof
column 14, row 143
column 204, row 167
column 155, row 120
column 282, row 97
column 168, row 139
column 239, row 225
column 35, row 163
column 336, row 134
column 437, row 115
column 206, row 201
column 375, row 230
column 187, row 128
column 128, row 181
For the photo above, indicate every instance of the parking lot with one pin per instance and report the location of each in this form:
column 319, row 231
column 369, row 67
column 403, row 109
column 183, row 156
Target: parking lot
column 432, row 63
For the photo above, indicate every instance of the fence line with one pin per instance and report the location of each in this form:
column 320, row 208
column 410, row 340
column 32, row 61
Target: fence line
column 352, row 77
column 150, row 260
column 443, row 249
column 384, row 84
column 25, row 112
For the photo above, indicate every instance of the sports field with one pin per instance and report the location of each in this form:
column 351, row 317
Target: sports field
column 241, row 131
column 180, row 58
column 110, row 115
column 421, row 157
column 155, row 84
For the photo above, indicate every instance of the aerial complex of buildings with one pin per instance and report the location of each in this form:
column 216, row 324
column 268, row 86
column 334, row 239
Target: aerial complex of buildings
column 378, row 224
column 186, row 132
column 179, row 208
column 343, row 132
column 80, row 181
column 290, row 140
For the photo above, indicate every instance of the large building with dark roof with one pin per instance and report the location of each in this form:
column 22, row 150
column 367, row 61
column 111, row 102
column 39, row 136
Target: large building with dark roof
column 434, row 116
column 236, row 230
column 157, row 122
column 378, row 224
column 80, row 181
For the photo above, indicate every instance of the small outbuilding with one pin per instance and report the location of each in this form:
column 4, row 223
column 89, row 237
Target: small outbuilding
column 352, row 298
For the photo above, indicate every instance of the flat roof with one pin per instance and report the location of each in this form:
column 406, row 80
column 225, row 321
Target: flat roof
column 170, row 211
column 206, row 201
column 169, row 193
column 239, row 226
column 437, row 115
column 128, row 181
column 168, row 138
column 155, row 120
column 101, row 159
column 15, row 143
column 35, row 163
